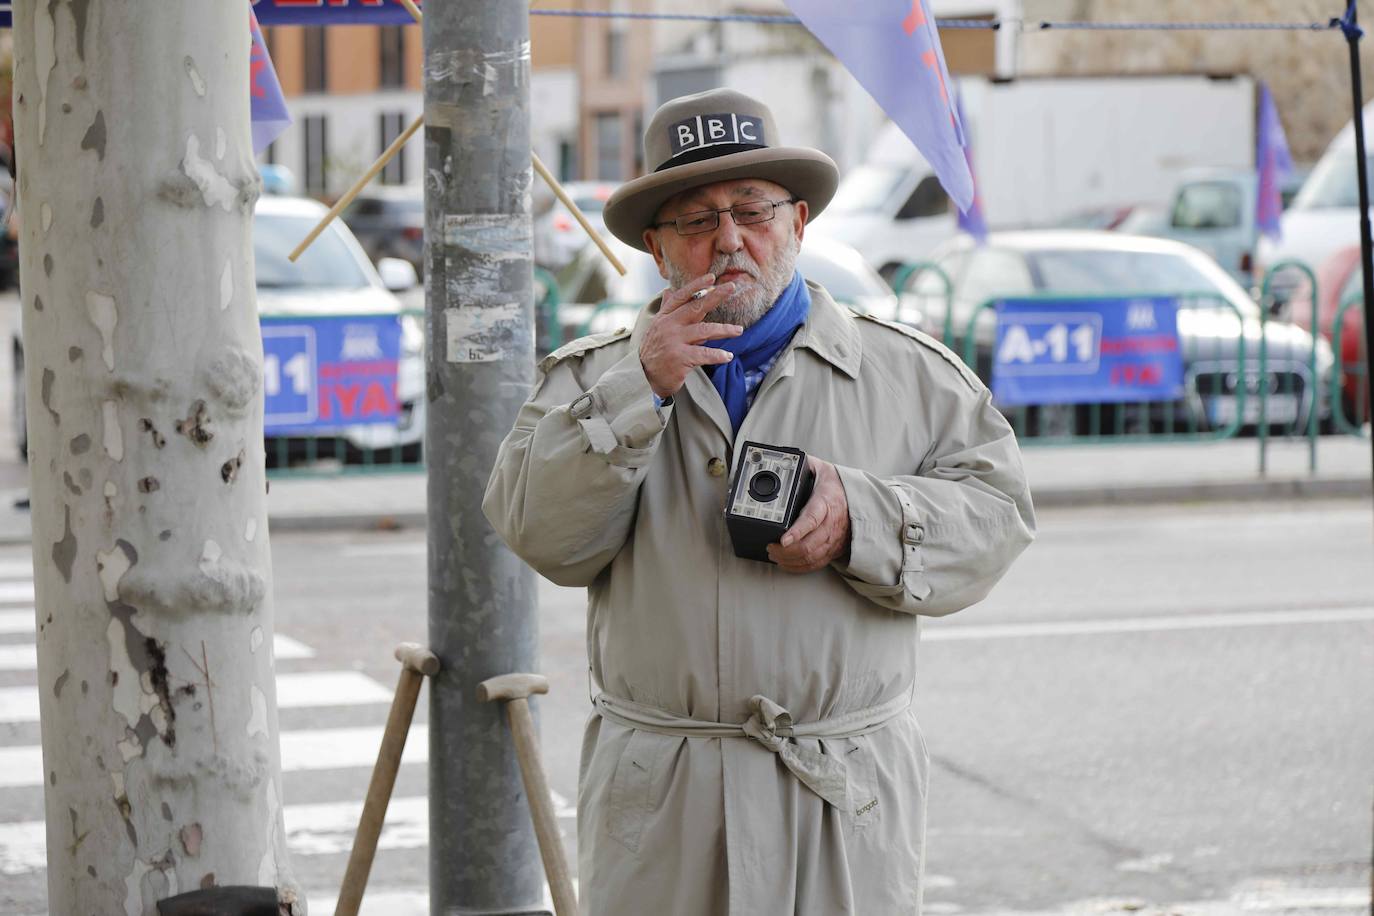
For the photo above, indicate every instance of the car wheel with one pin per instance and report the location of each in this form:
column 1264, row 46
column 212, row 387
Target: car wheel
column 19, row 406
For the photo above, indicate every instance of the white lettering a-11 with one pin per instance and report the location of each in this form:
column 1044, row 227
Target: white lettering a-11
column 1016, row 346
column 684, row 136
column 715, row 128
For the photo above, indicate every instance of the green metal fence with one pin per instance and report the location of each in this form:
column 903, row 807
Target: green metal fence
column 1218, row 373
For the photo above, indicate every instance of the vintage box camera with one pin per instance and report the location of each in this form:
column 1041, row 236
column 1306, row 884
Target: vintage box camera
column 770, row 486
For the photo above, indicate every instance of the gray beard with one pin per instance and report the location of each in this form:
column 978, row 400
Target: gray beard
column 750, row 304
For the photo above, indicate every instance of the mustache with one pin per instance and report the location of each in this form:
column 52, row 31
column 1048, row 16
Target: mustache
column 737, row 261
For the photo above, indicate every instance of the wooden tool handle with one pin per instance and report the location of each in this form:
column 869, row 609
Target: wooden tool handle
column 511, row 687
column 417, row 658
column 541, row 806
column 379, row 791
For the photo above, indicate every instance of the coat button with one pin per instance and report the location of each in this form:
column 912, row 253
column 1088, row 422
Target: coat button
column 715, row 467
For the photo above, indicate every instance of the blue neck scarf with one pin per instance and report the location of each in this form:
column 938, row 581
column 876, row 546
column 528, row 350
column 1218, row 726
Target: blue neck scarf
column 759, row 343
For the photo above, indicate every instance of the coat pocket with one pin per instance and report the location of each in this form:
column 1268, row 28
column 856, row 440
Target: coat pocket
column 861, row 770
column 631, row 798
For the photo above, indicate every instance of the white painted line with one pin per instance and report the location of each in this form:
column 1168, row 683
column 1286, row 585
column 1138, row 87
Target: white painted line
column 16, row 592
column 294, row 691
column 324, row 829
column 1147, row 624
column 23, row 656
column 17, row 568
column 301, row 751
column 284, row 647
column 20, row 656
column 19, row 620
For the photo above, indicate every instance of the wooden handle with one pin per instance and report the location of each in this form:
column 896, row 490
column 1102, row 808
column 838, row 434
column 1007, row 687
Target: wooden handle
column 357, row 188
column 417, row 658
column 541, row 805
column 587, row 227
column 511, row 687
column 379, row 791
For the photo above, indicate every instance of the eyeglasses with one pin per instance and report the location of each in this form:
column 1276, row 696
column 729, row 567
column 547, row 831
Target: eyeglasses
column 745, row 214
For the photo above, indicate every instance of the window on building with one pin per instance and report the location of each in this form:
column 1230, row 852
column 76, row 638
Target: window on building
column 316, row 165
column 316, row 78
column 392, row 124
column 617, row 35
column 608, row 142
column 393, row 51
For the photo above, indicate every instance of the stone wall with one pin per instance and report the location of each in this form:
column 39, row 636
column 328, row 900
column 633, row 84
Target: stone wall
column 1308, row 72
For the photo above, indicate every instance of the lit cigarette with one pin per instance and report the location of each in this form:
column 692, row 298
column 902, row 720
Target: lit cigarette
column 701, row 294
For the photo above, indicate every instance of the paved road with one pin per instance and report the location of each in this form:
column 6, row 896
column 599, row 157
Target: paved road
column 1161, row 710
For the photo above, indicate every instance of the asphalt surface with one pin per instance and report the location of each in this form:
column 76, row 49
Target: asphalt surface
column 1159, row 710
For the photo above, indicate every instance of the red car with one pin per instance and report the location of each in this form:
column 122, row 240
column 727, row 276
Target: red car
column 1339, row 280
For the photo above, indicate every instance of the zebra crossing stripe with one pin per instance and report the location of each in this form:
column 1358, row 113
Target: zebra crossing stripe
column 322, row 829
column 20, row 592
column 17, row 621
column 17, row 568
column 294, row 691
column 23, row 656
column 305, row 750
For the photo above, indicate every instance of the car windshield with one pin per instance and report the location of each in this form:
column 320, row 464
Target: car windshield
column 1333, row 183
column 867, row 188
column 1087, row 272
column 329, row 262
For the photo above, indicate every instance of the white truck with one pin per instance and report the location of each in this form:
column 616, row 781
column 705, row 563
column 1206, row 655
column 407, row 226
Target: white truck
column 1044, row 150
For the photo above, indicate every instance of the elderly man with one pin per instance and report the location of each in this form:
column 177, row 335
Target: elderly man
column 753, row 748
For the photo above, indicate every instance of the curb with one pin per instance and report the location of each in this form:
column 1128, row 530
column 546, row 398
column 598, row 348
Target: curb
column 1218, row 491
column 1046, row 497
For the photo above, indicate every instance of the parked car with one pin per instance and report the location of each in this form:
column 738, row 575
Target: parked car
column 389, row 222
column 1077, row 263
column 1340, row 280
column 1325, row 215
column 1215, row 210
column 596, row 298
column 557, row 235
column 332, row 277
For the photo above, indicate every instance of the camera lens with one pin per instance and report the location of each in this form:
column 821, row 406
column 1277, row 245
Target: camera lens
column 764, row 486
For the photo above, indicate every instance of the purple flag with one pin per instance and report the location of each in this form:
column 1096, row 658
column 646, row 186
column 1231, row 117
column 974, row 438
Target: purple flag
column 971, row 220
column 1274, row 164
column 893, row 50
column 267, row 106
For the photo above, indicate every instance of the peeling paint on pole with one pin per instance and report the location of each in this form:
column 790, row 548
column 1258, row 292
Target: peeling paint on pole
column 479, row 303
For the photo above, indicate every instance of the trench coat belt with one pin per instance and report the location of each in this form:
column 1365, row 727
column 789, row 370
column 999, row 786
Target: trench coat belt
column 771, row 726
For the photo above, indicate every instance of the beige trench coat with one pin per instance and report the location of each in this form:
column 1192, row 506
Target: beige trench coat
column 680, row 812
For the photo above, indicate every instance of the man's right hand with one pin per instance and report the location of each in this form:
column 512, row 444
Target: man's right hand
column 671, row 348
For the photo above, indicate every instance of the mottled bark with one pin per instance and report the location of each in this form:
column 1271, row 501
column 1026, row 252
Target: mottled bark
column 152, row 571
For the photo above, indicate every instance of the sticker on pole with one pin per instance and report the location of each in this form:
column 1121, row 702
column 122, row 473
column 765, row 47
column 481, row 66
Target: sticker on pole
column 329, row 373
column 1083, row 351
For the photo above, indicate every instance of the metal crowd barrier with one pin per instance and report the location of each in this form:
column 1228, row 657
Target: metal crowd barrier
column 1349, row 384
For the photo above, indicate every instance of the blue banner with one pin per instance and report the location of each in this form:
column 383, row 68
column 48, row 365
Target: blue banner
column 332, row 12
column 323, row 374
column 1084, row 351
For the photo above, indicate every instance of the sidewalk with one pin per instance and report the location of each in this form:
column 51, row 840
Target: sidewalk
column 1077, row 475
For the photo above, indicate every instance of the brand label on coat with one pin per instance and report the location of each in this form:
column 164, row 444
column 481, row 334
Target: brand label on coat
column 715, row 130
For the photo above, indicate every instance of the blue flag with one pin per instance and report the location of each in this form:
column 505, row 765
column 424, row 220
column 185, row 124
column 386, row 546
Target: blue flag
column 971, row 220
column 1274, row 164
column 893, row 50
column 334, row 12
column 267, row 105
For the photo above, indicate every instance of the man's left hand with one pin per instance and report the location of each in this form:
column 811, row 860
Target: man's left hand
column 821, row 532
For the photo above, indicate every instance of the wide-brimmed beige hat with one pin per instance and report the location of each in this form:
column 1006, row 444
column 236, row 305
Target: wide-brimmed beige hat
column 708, row 137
